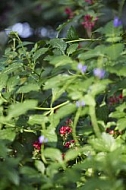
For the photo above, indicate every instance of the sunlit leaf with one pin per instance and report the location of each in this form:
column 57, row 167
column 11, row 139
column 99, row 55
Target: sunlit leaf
column 28, row 87
column 20, row 108
column 71, row 49
column 53, row 154
column 40, row 166
column 8, row 134
column 114, row 51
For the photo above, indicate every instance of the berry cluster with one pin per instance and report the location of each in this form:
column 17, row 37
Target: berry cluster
column 69, row 144
column 37, row 145
column 115, row 99
column 65, row 133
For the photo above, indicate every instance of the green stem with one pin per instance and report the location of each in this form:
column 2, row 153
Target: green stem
column 8, row 124
column 76, row 118
column 60, row 105
column 94, row 121
column 37, row 108
column 56, row 107
column 121, row 7
column 3, row 98
column 24, row 51
column 82, row 40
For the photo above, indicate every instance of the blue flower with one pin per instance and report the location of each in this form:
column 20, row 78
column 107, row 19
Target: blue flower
column 100, row 73
column 42, row 139
column 117, row 22
column 82, row 68
column 80, row 103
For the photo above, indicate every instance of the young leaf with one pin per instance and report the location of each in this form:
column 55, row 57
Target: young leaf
column 59, row 44
column 72, row 34
column 39, row 52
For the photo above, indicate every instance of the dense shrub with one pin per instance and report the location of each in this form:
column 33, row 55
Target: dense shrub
column 62, row 108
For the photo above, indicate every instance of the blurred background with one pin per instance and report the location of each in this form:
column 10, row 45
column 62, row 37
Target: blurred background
column 38, row 19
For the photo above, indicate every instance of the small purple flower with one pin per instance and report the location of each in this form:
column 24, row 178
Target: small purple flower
column 80, row 103
column 100, row 73
column 117, row 22
column 42, row 139
column 82, row 68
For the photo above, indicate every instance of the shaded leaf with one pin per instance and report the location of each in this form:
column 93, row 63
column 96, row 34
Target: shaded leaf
column 72, row 34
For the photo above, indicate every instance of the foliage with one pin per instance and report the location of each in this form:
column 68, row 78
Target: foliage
column 62, row 109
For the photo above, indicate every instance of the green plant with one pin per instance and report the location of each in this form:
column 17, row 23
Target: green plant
column 62, row 111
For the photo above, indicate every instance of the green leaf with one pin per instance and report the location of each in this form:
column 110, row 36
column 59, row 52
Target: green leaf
column 61, row 60
column 99, row 87
column 121, row 124
column 113, row 34
column 56, row 93
column 40, row 166
column 12, row 82
column 14, row 177
column 71, row 154
column 75, row 95
column 117, row 114
column 96, row 183
column 124, row 92
column 53, row 153
column 107, row 143
column 65, row 110
column 39, row 52
column 51, row 135
column 91, row 53
column 71, row 177
column 59, row 44
column 72, row 48
column 11, row 68
column 21, row 108
column 37, row 119
column 121, row 107
column 57, row 81
column 72, row 34
column 114, row 50
column 7, row 134
column 3, row 80
column 3, row 149
column 114, row 39
column 29, row 172
column 89, row 100
column 28, row 87
column 120, row 70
